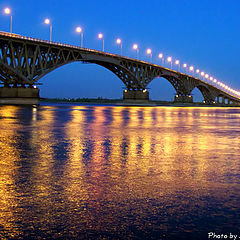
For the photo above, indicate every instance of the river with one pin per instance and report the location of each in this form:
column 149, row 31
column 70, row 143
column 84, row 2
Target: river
column 71, row 171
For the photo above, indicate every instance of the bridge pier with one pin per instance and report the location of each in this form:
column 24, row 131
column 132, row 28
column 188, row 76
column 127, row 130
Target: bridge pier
column 19, row 95
column 183, row 98
column 135, row 95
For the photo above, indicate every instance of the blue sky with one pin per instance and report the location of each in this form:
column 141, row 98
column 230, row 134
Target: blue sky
column 202, row 33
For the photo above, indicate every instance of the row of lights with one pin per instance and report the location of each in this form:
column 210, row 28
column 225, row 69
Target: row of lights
column 148, row 51
column 204, row 75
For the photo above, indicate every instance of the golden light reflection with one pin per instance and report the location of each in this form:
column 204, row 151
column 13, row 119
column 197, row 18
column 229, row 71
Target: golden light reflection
column 143, row 145
column 42, row 141
column 9, row 157
column 81, row 156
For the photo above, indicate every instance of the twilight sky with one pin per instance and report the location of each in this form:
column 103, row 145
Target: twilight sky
column 202, row 33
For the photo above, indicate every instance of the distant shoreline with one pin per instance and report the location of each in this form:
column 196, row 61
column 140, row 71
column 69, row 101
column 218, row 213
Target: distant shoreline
column 121, row 102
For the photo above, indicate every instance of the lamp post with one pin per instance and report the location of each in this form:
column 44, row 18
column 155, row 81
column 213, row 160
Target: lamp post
column 160, row 55
column 191, row 69
column 47, row 21
column 79, row 30
column 149, row 51
column 206, row 76
column 135, row 47
column 177, row 62
column 8, row 11
column 119, row 41
column 185, row 66
column 100, row 36
column 169, row 59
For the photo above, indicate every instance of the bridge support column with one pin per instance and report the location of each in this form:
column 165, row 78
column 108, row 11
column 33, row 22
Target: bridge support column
column 183, row 98
column 135, row 95
column 19, row 95
column 223, row 100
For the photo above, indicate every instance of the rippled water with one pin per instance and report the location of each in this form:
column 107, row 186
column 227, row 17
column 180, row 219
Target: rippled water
column 110, row 172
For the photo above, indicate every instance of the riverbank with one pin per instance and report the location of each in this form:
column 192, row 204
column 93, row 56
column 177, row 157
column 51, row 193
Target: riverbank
column 121, row 102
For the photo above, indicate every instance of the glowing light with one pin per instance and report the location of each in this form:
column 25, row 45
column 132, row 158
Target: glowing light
column 149, row 51
column 191, row 68
column 47, row 21
column 206, row 75
column 160, row 55
column 100, row 35
column 202, row 73
column 7, row 10
column 169, row 59
column 184, row 65
column 118, row 41
column 211, row 78
column 215, row 80
column 78, row 29
column 135, row 46
column 197, row 71
column 177, row 62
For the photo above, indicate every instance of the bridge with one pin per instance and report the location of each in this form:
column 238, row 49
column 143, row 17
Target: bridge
column 24, row 60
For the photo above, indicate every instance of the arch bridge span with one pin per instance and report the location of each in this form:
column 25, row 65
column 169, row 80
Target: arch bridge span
column 24, row 60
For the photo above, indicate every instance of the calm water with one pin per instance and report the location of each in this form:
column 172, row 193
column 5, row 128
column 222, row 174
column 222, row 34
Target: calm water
column 109, row 172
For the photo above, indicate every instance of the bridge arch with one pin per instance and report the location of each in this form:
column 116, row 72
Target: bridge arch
column 79, row 80
column 197, row 95
column 161, row 89
column 120, row 71
column 208, row 95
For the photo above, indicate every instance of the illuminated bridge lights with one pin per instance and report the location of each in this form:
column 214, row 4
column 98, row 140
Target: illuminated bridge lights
column 205, row 77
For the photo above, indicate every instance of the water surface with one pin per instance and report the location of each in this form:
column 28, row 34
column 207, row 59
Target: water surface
column 110, row 172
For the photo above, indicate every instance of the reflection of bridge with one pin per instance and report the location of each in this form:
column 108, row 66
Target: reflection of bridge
column 24, row 60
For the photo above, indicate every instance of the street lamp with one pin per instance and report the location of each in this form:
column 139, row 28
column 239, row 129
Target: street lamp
column 177, row 62
column 185, row 66
column 169, row 59
column 197, row 71
column 79, row 30
column 160, row 55
column 191, row 69
column 149, row 51
column 47, row 21
column 100, row 36
column 119, row 41
column 8, row 11
column 135, row 47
